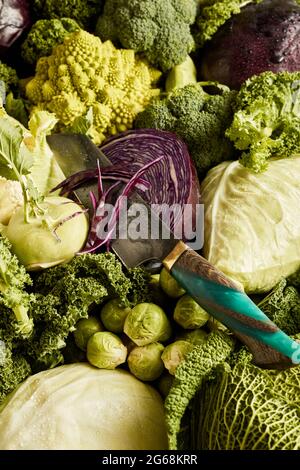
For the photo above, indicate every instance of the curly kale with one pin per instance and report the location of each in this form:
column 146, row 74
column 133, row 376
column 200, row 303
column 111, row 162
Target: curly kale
column 62, row 296
column 44, row 35
column 199, row 118
column 213, row 14
column 158, row 28
column 84, row 12
column 267, row 118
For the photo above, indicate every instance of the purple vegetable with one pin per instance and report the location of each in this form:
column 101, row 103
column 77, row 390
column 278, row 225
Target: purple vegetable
column 173, row 181
column 94, row 242
column 155, row 163
column 14, row 19
column 264, row 36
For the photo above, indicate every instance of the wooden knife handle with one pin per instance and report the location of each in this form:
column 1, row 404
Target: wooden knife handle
column 221, row 297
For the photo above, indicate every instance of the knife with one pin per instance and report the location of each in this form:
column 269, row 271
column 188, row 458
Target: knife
column 212, row 290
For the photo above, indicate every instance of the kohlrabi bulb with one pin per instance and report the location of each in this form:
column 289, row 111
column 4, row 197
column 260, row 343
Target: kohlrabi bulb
column 169, row 285
column 147, row 323
column 175, row 353
column 113, row 315
column 85, row 328
column 40, row 246
column 105, row 350
column 189, row 314
column 145, row 362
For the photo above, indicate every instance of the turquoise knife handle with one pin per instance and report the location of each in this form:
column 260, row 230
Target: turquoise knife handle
column 220, row 297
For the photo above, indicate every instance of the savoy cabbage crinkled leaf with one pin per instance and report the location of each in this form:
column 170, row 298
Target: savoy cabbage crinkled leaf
column 248, row 408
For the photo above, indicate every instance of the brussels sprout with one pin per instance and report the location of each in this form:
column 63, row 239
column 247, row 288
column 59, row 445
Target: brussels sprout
column 113, row 315
column 175, row 353
column 158, row 296
column 105, row 350
column 145, row 362
column 196, row 337
column 189, row 314
column 147, row 323
column 85, row 328
column 214, row 325
column 169, row 285
column 165, row 383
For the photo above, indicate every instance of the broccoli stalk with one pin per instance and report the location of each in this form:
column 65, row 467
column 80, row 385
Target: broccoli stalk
column 13, row 279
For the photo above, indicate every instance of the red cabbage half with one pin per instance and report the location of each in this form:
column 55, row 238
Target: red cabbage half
column 172, row 181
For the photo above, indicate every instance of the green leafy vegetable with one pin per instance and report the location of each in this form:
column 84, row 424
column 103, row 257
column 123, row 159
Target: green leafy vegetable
column 83, row 11
column 267, row 118
column 9, row 76
column 244, row 209
column 81, row 407
column 62, row 296
column 44, row 35
column 199, row 118
column 13, row 279
column 247, row 408
column 282, row 306
column 189, row 376
column 214, row 14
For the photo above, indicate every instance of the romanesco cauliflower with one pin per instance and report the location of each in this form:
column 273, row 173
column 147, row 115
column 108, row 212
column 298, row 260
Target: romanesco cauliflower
column 82, row 74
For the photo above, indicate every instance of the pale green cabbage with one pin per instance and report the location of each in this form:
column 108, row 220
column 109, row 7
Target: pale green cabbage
column 80, row 407
column 252, row 222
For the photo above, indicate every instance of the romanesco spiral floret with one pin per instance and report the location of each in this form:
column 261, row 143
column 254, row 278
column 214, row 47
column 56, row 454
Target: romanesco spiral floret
column 84, row 73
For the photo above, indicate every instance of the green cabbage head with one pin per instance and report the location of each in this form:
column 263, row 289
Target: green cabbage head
column 252, row 222
column 80, row 407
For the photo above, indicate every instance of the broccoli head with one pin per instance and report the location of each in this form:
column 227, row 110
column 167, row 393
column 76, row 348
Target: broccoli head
column 85, row 12
column 158, row 28
column 44, row 35
column 267, row 118
column 199, row 118
column 84, row 74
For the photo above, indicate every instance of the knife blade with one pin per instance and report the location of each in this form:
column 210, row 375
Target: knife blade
column 211, row 289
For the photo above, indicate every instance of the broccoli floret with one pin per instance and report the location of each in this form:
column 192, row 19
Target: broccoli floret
column 44, row 35
column 84, row 74
column 9, row 76
column 84, row 12
column 158, row 28
column 198, row 118
column 267, row 118
column 213, row 14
